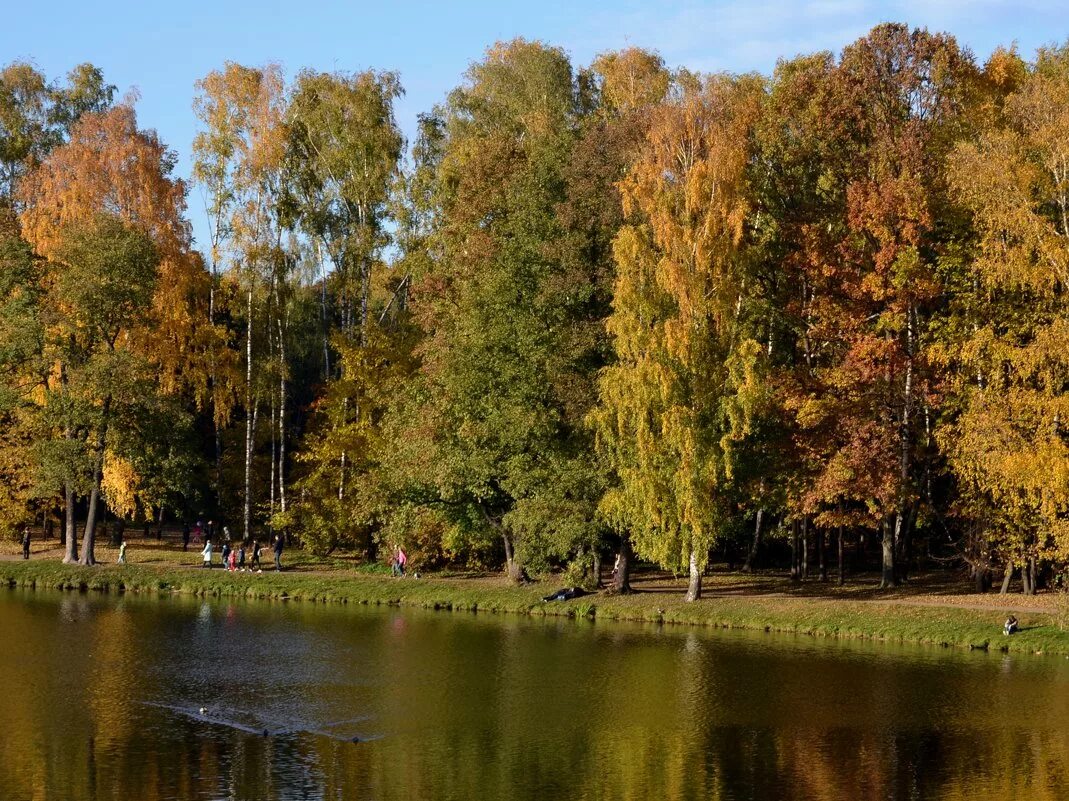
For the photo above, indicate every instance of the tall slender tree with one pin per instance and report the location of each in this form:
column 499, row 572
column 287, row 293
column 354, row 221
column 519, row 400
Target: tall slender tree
column 680, row 394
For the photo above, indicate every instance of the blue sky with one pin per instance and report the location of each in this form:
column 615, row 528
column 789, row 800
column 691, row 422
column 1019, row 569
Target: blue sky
column 162, row 49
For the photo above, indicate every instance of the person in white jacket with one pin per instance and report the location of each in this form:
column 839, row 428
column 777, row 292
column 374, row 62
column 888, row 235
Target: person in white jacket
column 207, row 554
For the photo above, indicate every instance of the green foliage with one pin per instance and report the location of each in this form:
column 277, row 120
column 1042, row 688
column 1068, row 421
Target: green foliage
column 499, row 309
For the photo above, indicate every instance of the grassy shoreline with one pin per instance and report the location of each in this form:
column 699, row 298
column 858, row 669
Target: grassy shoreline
column 843, row 619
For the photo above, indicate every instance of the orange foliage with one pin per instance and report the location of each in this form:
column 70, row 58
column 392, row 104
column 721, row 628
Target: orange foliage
column 110, row 165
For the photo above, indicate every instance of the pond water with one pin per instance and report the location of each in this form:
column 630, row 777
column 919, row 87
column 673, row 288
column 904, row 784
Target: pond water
column 101, row 698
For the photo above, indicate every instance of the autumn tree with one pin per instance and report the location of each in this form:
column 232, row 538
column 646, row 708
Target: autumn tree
column 139, row 246
column 618, row 95
column 23, row 371
column 679, row 396
column 37, row 116
column 1007, row 353
column 239, row 158
column 865, row 249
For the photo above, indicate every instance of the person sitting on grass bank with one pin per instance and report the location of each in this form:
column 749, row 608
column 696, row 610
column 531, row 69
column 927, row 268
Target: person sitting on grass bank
column 207, row 554
column 122, row 552
column 26, row 543
column 1011, row 626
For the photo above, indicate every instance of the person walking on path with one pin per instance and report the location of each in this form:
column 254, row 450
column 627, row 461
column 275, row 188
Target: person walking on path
column 185, row 536
column 122, row 552
column 402, row 560
column 278, row 553
column 241, row 558
column 256, row 557
column 226, row 554
column 232, row 561
column 207, row 554
column 26, row 543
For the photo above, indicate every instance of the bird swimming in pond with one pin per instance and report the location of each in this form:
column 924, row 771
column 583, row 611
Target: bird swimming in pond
column 212, row 716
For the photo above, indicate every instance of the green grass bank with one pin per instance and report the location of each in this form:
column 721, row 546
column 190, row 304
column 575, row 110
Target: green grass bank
column 1042, row 633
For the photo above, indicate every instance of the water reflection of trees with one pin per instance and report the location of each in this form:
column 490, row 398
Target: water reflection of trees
column 490, row 708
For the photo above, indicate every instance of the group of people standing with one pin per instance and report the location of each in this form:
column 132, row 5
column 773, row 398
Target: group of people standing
column 234, row 559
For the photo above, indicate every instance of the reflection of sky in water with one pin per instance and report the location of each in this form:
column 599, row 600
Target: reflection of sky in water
column 481, row 706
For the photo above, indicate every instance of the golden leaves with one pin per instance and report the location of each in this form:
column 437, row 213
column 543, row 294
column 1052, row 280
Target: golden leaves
column 120, row 484
column 684, row 388
column 110, row 165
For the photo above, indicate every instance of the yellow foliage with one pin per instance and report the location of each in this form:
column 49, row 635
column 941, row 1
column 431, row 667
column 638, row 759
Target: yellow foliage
column 120, row 484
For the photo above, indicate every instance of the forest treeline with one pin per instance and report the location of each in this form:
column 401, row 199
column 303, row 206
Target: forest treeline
column 614, row 309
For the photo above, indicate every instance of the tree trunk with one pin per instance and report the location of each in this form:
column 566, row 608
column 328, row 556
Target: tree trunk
column 212, row 382
column 513, row 567
column 904, row 543
column 805, row 548
column 218, row 455
column 71, row 536
column 694, row 588
column 796, row 574
column 119, row 532
column 1028, row 574
column 621, row 580
column 888, row 577
column 596, row 568
column 249, row 415
column 900, row 527
column 159, row 525
column 282, row 432
column 250, row 438
column 88, row 556
column 751, row 557
column 324, row 318
column 274, row 447
column 821, row 555
column 842, row 572
column 1007, row 578
column 513, row 564
column 89, row 535
column 341, row 478
column 365, row 284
